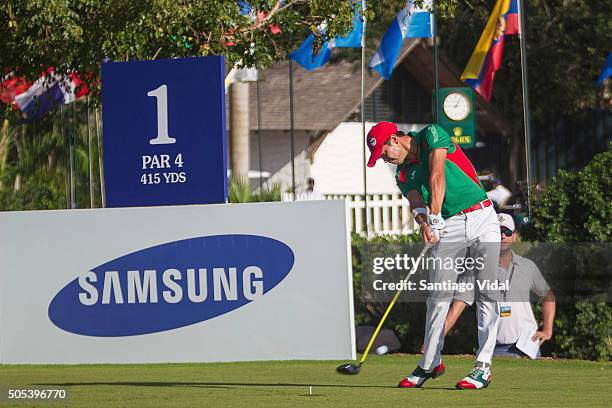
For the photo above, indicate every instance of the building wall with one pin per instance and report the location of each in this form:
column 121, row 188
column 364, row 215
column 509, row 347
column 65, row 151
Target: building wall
column 338, row 163
column 276, row 156
column 569, row 143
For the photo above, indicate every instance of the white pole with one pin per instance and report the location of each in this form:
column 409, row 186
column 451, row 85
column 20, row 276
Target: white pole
column 90, row 158
column 363, row 138
column 100, row 162
column 526, row 114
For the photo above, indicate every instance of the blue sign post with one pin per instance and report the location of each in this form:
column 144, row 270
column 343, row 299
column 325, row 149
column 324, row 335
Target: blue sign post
column 164, row 132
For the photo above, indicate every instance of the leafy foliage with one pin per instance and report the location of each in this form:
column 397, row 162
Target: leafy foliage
column 40, row 192
column 407, row 318
column 575, row 207
column 268, row 193
column 565, row 39
column 80, row 34
column 40, row 154
column 584, row 331
column 239, row 191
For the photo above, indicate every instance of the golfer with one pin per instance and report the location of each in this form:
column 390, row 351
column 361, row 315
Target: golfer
column 455, row 215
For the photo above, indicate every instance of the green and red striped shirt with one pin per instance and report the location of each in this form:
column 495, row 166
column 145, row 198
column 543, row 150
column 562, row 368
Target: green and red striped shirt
column 463, row 189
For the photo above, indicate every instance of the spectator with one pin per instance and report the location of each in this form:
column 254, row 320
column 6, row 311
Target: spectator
column 516, row 313
column 498, row 194
column 310, row 193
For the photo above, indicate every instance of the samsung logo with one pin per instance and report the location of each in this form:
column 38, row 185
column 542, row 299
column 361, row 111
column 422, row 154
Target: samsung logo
column 142, row 286
column 171, row 285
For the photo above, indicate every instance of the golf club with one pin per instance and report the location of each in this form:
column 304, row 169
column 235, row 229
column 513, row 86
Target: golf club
column 352, row 369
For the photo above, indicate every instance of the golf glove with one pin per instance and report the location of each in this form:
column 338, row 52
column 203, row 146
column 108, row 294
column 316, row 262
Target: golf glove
column 436, row 222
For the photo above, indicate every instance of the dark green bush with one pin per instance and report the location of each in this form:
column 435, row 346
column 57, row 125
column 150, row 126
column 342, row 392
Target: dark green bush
column 407, row 319
column 40, row 192
column 239, row 191
column 583, row 330
column 575, row 207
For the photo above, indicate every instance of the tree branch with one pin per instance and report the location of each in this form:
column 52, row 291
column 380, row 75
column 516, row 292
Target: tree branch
column 275, row 10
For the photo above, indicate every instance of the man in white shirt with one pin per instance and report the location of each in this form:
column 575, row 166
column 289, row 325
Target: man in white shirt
column 499, row 194
column 310, row 193
column 516, row 315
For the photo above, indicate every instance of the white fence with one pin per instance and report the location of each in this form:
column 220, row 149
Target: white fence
column 387, row 214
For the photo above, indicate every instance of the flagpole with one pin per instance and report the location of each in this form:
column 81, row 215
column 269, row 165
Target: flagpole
column 436, row 72
column 526, row 112
column 72, row 159
column 66, row 156
column 259, row 135
column 100, row 163
column 90, row 157
column 363, row 138
column 292, row 128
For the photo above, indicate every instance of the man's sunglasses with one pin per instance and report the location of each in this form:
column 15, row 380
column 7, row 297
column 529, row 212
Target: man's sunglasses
column 507, row 232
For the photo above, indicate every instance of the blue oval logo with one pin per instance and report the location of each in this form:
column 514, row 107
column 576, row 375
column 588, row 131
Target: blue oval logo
column 171, row 285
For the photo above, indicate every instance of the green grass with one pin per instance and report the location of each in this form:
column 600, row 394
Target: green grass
column 516, row 383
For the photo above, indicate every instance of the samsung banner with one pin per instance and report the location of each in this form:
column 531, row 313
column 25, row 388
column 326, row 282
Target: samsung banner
column 164, row 132
column 238, row 282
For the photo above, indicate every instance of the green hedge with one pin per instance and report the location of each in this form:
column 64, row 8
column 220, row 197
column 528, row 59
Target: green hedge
column 581, row 329
column 574, row 207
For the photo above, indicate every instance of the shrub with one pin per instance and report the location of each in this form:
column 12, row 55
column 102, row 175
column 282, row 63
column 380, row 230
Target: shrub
column 239, row 191
column 407, row 319
column 584, row 330
column 39, row 192
column 575, row 207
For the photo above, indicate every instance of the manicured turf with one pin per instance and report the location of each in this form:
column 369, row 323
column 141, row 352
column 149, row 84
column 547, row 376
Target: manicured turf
column 516, row 383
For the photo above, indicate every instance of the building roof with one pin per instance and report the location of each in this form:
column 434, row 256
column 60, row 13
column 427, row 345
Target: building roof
column 321, row 98
column 327, row 96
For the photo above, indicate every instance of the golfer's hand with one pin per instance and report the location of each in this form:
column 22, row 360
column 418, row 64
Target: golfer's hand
column 429, row 235
column 542, row 336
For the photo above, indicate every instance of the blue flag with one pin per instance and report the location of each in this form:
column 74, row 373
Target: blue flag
column 353, row 38
column 305, row 56
column 411, row 22
column 606, row 72
column 245, row 7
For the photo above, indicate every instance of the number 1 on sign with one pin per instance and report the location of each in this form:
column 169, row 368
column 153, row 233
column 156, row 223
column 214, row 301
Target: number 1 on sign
column 161, row 95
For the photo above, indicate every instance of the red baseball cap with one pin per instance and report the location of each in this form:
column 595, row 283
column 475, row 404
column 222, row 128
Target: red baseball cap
column 376, row 138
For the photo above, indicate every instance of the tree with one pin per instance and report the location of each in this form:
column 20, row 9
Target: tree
column 77, row 35
column 567, row 43
column 80, row 34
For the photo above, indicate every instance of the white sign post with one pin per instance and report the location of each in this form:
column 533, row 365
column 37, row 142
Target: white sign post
column 237, row 282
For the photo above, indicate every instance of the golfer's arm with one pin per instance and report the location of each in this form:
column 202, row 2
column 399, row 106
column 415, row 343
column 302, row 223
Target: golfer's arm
column 416, row 201
column 549, row 306
column 453, row 315
column 437, row 179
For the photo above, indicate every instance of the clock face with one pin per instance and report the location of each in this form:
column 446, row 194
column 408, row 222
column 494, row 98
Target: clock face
column 456, row 106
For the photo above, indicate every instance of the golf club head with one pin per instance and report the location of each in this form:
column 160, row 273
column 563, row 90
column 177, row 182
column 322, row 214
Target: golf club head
column 349, row 369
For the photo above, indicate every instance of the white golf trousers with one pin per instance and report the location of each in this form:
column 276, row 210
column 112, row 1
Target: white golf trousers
column 475, row 235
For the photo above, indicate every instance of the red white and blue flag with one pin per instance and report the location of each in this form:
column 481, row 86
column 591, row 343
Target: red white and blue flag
column 36, row 99
column 487, row 56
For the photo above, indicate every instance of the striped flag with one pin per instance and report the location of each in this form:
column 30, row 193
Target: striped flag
column 410, row 22
column 44, row 94
column 306, row 57
column 487, row 56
